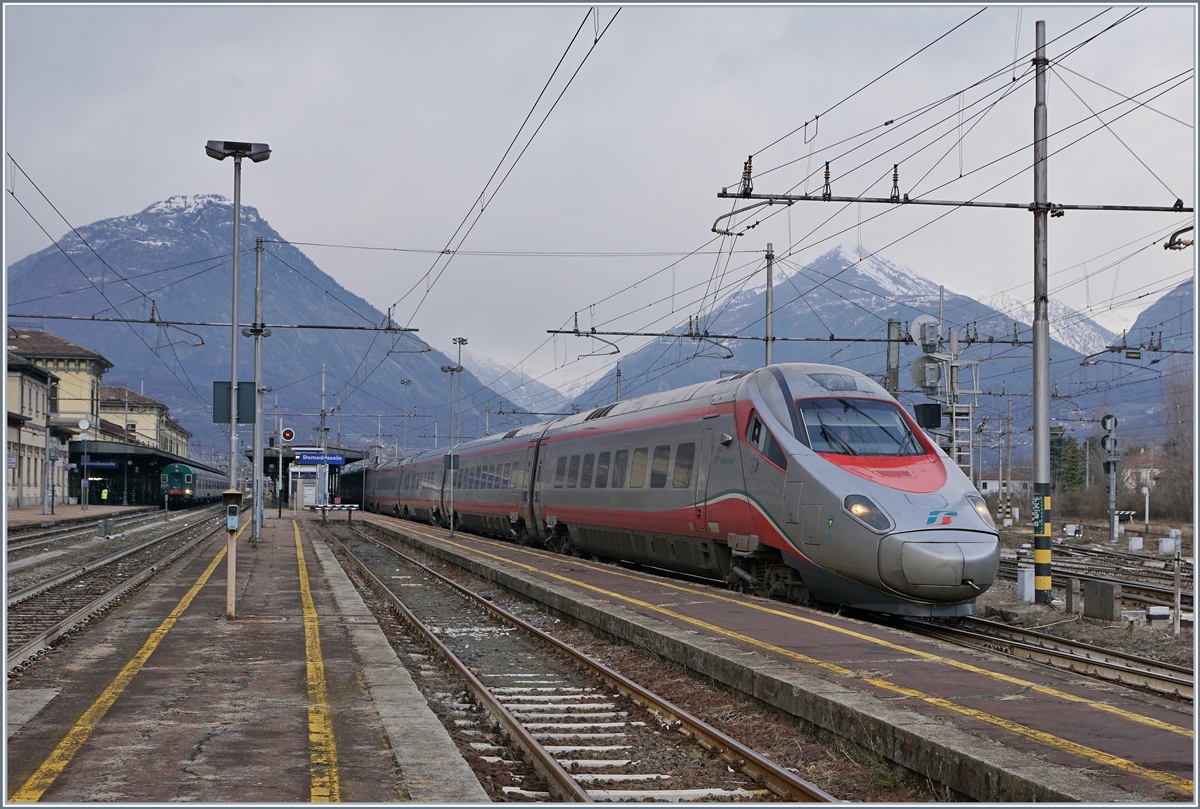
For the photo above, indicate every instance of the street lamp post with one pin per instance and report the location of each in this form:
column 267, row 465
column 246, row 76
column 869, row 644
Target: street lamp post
column 257, row 152
column 450, row 457
column 1146, row 491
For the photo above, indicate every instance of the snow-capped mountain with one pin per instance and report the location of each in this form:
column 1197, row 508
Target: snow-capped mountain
column 1069, row 326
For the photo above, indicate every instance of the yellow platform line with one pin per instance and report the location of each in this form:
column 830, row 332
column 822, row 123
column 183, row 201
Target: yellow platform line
column 323, row 759
column 1098, row 756
column 1049, row 691
column 57, row 761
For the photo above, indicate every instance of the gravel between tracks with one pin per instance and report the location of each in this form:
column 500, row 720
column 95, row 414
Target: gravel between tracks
column 837, row 766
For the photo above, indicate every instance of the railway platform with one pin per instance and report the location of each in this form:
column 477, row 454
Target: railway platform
column 65, row 514
column 991, row 728
column 300, row 698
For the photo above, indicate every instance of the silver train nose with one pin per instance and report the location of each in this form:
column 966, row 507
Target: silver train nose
column 940, row 564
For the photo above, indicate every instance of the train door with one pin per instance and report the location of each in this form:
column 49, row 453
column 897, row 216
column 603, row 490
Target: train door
column 702, row 476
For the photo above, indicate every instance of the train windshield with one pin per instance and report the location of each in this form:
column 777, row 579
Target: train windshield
column 857, row 427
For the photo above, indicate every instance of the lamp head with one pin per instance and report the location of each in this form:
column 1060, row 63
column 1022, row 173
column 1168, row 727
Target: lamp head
column 221, row 149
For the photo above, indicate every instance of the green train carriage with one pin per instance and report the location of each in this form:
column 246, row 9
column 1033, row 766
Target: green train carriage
column 184, row 485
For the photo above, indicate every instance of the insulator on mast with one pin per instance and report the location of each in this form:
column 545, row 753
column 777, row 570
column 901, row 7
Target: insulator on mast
column 895, row 182
column 827, row 193
column 747, row 184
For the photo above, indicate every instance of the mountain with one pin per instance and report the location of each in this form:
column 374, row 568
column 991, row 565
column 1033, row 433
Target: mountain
column 1069, row 326
column 171, row 262
column 516, row 385
column 846, row 293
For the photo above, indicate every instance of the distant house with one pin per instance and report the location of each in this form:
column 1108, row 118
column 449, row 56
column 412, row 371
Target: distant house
column 33, row 428
column 1140, row 470
column 79, row 370
column 139, row 419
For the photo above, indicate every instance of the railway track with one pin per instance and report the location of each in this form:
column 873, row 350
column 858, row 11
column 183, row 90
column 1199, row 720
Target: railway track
column 1138, row 592
column 40, row 615
column 34, row 544
column 587, row 732
column 16, row 540
column 1081, row 658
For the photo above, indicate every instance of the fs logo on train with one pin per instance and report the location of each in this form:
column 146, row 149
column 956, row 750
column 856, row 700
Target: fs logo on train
column 938, row 517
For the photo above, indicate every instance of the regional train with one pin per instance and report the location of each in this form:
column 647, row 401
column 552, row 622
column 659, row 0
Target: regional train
column 796, row 481
column 185, row 486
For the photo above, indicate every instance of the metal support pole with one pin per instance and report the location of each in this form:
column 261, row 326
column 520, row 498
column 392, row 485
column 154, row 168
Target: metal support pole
column 233, row 377
column 256, row 529
column 1008, row 465
column 1146, row 491
column 770, row 341
column 893, row 357
column 1178, row 561
column 279, row 468
column 1041, row 335
column 47, row 466
column 322, row 480
column 125, row 428
column 231, row 576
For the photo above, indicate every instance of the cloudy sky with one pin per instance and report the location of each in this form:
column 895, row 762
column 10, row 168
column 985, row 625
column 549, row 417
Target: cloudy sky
column 388, row 124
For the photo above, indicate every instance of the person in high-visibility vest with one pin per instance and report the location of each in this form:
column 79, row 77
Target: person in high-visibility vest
column 104, row 496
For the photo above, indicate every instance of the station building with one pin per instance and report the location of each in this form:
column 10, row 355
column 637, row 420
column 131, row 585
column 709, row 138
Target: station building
column 128, row 439
column 36, row 441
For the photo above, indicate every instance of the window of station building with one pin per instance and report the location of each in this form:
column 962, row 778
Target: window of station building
column 504, row 477
column 684, row 457
column 560, row 473
column 589, row 465
column 660, row 465
column 637, row 471
column 602, row 464
column 573, row 472
column 620, row 464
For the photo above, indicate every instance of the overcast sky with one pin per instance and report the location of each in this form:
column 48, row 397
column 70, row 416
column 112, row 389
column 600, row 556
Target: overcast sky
column 387, row 122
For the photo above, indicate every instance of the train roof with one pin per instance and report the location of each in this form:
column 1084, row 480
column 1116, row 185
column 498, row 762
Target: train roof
column 806, row 379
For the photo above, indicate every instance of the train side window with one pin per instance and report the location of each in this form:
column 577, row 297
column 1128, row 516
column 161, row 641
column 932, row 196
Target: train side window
column 573, row 472
column 637, row 472
column 589, row 464
column 504, row 478
column 620, row 464
column 602, row 469
column 163, row 478
column 515, row 477
column 658, row 469
column 684, row 457
column 186, row 479
column 758, row 436
column 560, row 473
column 489, row 476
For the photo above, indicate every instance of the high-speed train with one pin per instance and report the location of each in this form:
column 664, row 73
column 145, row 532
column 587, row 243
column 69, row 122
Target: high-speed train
column 797, row 481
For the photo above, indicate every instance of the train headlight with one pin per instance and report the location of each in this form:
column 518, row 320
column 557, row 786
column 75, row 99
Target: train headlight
column 866, row 512
column 187, row 491
column 981, row 508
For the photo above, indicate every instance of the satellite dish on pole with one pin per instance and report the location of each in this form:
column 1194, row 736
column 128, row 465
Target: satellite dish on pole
column 927, row 374
column 924, row 332
column 84, row 424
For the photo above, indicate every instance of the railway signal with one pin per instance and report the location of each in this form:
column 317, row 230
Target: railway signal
column 288, row 434
column 1109, row 443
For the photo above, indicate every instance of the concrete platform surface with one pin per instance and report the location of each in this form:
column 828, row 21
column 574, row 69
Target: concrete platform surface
column 63, row 513
column 301, row 698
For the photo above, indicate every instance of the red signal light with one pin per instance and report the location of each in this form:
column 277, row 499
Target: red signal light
column 289, row 434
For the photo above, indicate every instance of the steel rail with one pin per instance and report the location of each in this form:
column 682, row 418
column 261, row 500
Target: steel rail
column 785, row 784
column 1060, row 653
column 26, row 538
column 37, row 647
column 1130, row 590
column 562, row 785
column 25, row 542
column 50, row 584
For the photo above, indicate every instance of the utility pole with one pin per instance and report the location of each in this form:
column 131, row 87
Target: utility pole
column 125, row 429
column 451, row 458
column 1041, row 334
column 279, row 468
column 893, row 357
column 1008, row 466
column 770, row 341
column 618, row 380
column 322, row 482
column 48, row 465
column 258, row 332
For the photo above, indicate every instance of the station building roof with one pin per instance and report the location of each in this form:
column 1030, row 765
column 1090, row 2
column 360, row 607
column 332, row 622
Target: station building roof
column 42, row 345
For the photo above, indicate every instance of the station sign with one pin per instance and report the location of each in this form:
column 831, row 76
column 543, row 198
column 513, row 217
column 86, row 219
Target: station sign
column 314, row 458
column 12, row 462
column 103, row 465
